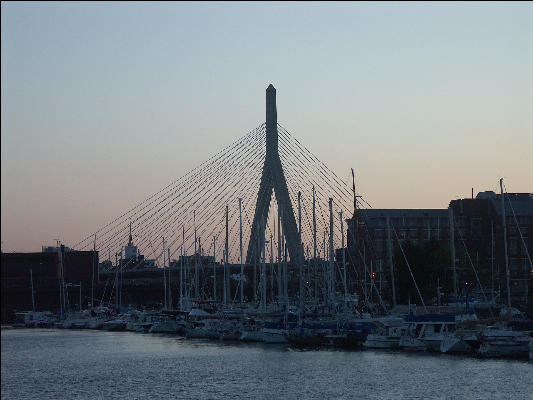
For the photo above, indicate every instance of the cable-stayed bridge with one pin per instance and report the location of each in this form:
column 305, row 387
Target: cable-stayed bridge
column 263, row 198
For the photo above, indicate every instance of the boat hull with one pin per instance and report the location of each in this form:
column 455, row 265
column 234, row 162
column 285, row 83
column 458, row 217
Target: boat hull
column 381, row 342
column 274, row 336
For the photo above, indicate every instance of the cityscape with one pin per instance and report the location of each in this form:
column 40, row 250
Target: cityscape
column 265, row 261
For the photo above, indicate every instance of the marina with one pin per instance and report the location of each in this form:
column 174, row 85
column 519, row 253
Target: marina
column 266, row 201
column 277, row 292
column 431, row 333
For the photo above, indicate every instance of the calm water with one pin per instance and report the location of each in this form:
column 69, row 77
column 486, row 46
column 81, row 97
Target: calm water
column 57, row 364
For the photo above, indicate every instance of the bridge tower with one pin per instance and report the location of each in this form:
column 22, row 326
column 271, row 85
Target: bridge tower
column 272, row 178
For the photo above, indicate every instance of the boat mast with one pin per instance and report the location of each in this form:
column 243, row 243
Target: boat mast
column 120, row 261
column 195, row 258
column 32, row 292
column 94, row 260
column 263, row 274
column 492, row 257
column 280, row 291
column 504, row 227
column 285, row 288
column 300, row 254
column 391, row 265
column 272, row 265
column 331, row 255
column 314, row 246
column 356, row 241
column 452, row 249
column 326, row 275
column 343, row 259
column 116, row 281
column 240, row 248
column 226, row 272
column 181, row 266
column 215, row 268
column 62, row 299
column 169, row 283
column 164, row 276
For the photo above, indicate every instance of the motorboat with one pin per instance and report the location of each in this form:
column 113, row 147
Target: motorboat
column 34, row 319
column 252, row 330
column 390, row 331
column 500, row 342
column 203, row 329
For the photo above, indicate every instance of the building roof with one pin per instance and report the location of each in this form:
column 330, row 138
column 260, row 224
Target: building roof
column 406, row 212
column 521, row 203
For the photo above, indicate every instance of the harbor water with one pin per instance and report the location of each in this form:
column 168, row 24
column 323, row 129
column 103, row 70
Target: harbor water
column 66, row 364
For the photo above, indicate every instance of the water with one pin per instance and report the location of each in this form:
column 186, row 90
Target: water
column 61, row 364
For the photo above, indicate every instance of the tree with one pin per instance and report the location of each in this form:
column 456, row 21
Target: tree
column 430, row 263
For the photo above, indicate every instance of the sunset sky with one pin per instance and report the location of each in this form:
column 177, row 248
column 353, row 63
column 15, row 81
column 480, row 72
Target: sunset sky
column 104, row 104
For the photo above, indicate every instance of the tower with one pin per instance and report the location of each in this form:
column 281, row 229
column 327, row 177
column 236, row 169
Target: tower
column 272, row 178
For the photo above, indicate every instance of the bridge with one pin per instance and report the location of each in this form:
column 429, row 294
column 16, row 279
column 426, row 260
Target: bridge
column 264, row 199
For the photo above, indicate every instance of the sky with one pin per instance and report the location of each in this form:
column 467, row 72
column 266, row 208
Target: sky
column 104, row 104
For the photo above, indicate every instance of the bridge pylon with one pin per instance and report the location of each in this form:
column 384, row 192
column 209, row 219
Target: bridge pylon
column 272, row 179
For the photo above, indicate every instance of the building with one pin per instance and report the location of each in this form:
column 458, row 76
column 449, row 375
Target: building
column 479, row 229
column 43, row 269
column 377, row 228
column 473, row 226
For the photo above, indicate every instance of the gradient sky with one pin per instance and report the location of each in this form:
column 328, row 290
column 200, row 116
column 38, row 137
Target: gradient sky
column 104, row 104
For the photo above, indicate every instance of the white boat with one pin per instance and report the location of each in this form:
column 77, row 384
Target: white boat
column 497, row 342
column 427, row 331
column 230, row 330
column 456, row 344
column 167, row 326
column 412, row 338
column 463, row 340
column 434, row 338
column 118, row 324
column 203, row 329
column 252, row 336
column 202, row 324
column 275, row 335
column 412, row 343
column 252, row 331
column 78, row 320
column 100, row 316
column 389, row 335
column 34, row 319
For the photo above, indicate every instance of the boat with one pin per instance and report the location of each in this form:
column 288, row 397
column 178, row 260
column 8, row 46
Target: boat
column 313, row 333
column 34, row 319
column 354, row 334
column 390, row 331
column 500, row 342
column 203, row 329
column 462, row 341
column 275, row 332
column 116, row 325
column 426, row 331
column 230, row 329
column 252, row 330
column 167, row 322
